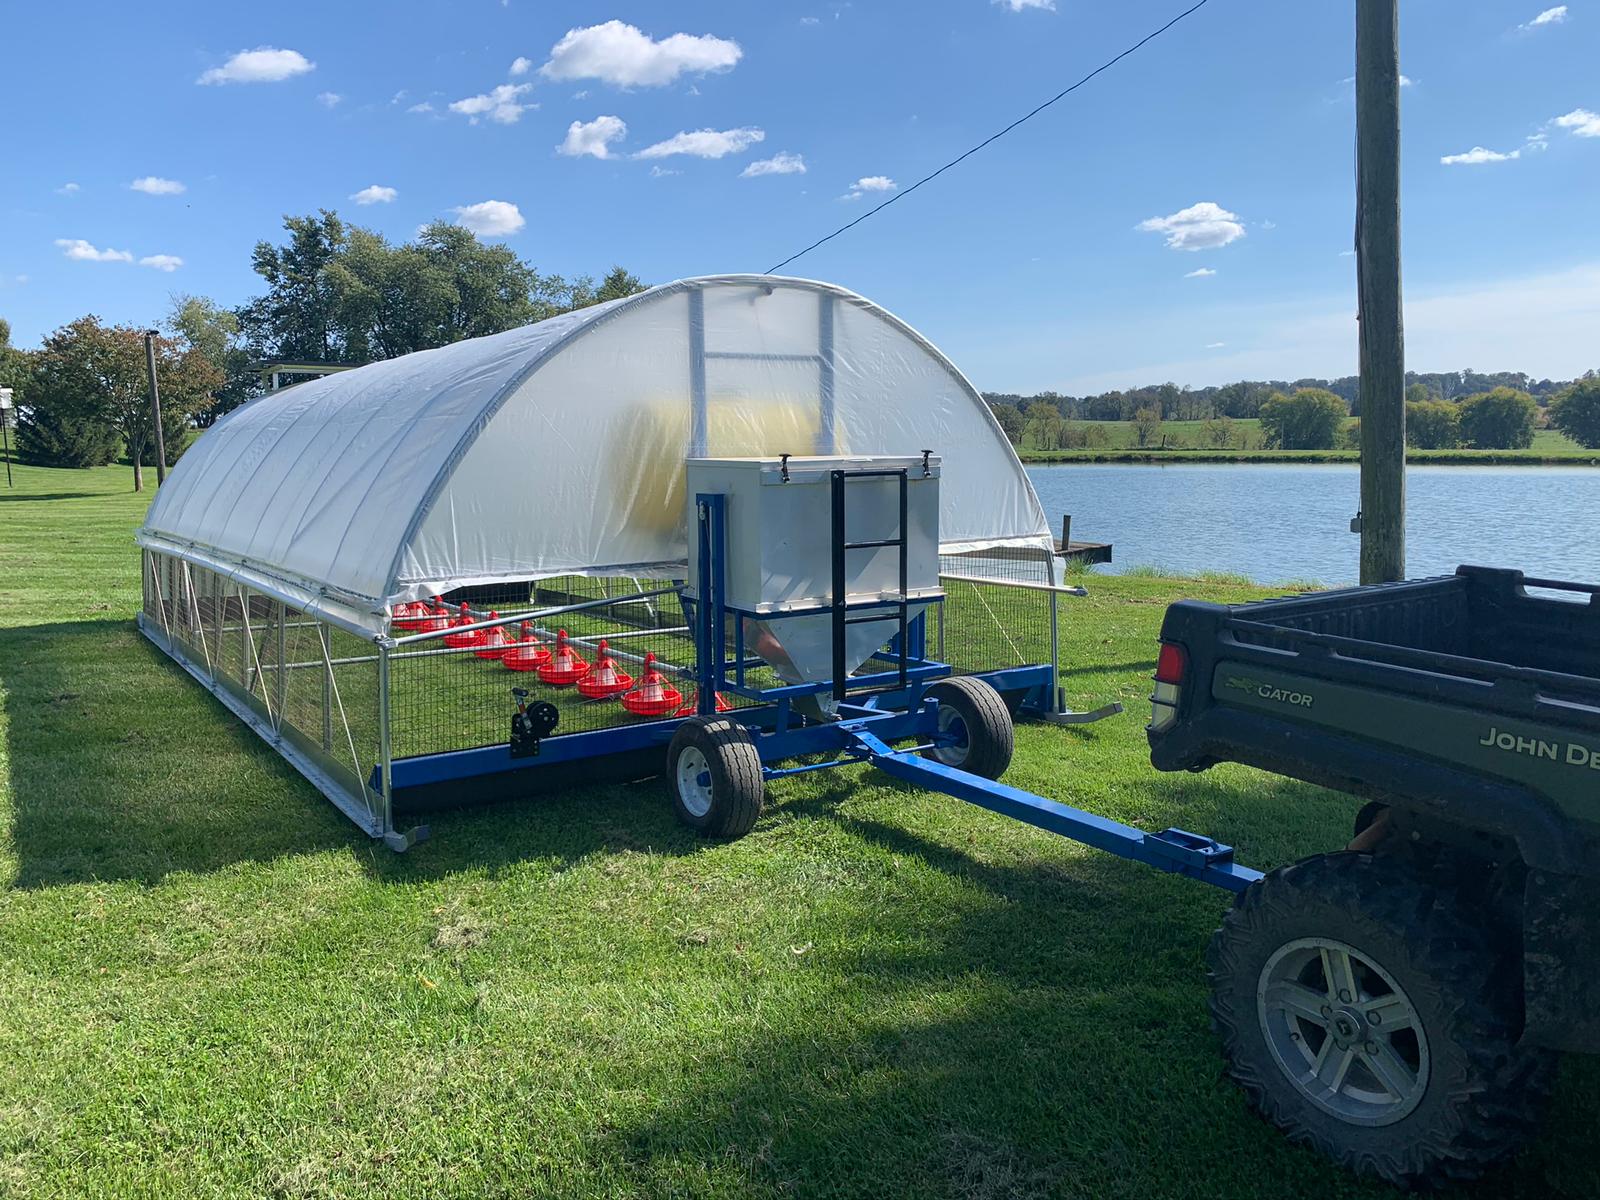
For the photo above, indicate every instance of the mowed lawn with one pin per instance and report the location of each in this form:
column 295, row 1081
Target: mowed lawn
column 212, row 985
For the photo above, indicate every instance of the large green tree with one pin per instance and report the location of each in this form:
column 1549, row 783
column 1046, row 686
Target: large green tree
column 340, row 293
column 1311, row 419
column 1576, row 411
column 204, row 326
column 91, row 380
column 1432, row 424
column 1500, row 419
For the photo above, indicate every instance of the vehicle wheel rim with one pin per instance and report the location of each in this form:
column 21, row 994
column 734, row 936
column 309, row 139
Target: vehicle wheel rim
column 1343, row 1031
column 954, row 740
column 694, row 782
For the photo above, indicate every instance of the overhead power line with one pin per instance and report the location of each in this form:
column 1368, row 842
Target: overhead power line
column 1105, row 66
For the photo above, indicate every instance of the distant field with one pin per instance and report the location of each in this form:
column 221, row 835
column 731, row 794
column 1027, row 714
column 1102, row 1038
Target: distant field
column 1185, row 440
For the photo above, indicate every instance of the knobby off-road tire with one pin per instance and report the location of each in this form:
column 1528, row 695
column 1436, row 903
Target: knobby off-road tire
column 1441, row 1103
column 977, row 717
column 714, row 771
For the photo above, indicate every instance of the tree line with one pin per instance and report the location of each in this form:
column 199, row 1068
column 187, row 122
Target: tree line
column 335, row 294
column 1443, row 411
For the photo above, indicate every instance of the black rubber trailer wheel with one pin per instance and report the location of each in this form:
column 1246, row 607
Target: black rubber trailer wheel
column 1369, row 1015
column 974, row 730
column 714, row 771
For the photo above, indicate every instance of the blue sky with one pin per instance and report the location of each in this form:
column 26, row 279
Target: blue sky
column 1058, row 258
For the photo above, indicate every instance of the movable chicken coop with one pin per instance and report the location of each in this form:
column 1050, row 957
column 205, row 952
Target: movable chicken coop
column 477, row 570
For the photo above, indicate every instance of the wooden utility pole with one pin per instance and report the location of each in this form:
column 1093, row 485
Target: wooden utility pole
column 155, row 405
column 1383, row 351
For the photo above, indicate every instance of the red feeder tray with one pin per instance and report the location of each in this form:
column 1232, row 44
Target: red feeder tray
column 437, row 618
column 654, row 697
column 605, row 680
column 693, row 704
column 526, row 654
column 466, row 634
column 495, row 643
column 567, row 667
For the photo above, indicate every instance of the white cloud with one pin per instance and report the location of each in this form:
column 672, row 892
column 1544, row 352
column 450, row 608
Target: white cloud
column 1581, row 121
column 1019, row 5
column 68, row 189
column 660, row 172
column 1203, row 226
column 521, row 66
column 869, row 183
column 261, row 65
column 1347, row 254
column 1266, row 224
column 500, row 105
column 782, row 163
column 81, row 251
column 490, row 218
column 154, row 185
column 705, row 143
column 161, row 262
column 1215, row 345
column 810, row 21
column 625, row 56
column 593, row 138
column 421, row 107
column 1200, row 273
column 376, row 194
column 398, row 96
column 329, row 99
column 1550, row 16
column 1479, row 154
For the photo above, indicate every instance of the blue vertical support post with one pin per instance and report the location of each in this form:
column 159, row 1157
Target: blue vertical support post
column 697, row 374
column 825, row 427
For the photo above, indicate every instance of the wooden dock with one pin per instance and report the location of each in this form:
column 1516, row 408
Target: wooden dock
column 1084, row 552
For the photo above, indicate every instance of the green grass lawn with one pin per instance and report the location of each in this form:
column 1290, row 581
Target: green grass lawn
column 212, row 985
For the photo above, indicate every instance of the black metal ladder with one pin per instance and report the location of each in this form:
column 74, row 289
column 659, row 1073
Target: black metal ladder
column 842, row 619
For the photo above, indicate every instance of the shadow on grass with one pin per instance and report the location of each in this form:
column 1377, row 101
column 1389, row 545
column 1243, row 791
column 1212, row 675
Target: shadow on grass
column 1043, row 1035
column 123, row 767
column 13, row 498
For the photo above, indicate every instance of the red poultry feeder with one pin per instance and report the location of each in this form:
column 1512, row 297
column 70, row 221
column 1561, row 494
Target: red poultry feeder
column 528, row 653
column 435, row 618
column 466, row 633
column 495, row 643
column 566, row 667
column 605, row 681
column 405, row 615
column 654, row 697
column 693, row 704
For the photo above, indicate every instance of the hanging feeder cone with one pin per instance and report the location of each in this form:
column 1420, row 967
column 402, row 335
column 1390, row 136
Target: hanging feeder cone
column 527, row 653
column 566, row 666
column 654, row 697
column 494, row 643
column 436, row 618
column 605, row 680
column 466, row 632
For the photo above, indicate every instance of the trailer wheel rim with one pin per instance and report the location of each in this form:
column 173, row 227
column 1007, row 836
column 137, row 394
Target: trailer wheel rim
column 1343, row 1031
column 954, row 739
column 694, row 781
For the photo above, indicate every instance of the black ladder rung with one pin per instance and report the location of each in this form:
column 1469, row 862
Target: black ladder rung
column 899, row 541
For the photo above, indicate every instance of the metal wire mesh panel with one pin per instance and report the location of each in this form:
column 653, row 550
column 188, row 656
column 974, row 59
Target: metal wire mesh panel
column 298, row 679
column 987, row 620
column 456, row 697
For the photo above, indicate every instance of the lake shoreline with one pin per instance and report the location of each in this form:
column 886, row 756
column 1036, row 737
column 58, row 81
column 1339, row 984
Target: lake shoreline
column 1432, row 458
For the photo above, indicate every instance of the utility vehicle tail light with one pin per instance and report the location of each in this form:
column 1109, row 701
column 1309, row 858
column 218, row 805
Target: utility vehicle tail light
column 1172, row 664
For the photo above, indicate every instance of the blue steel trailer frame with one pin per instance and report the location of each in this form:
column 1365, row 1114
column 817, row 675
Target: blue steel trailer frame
column 873, row 711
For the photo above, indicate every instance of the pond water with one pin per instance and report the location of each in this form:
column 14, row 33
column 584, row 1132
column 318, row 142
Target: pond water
column 1275, row 522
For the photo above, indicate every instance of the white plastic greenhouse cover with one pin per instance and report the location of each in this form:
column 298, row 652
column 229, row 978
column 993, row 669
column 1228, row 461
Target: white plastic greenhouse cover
column 558, row 448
